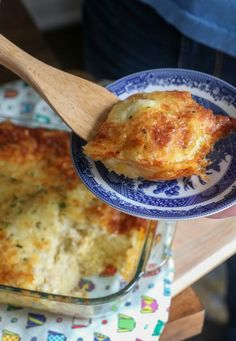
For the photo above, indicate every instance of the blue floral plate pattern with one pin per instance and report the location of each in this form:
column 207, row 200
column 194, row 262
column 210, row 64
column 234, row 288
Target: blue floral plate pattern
column 179, row 199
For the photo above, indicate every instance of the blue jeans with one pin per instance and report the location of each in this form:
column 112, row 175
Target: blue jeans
column 126, row 36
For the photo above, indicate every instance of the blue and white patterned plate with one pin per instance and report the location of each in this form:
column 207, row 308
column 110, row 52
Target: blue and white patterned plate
column 184, row 198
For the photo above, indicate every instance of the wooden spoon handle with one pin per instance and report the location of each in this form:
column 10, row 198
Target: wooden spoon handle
column 81, row 104
column 23, row 64
column 17, row 60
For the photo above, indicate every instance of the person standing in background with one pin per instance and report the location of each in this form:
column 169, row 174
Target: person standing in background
column 123, row 37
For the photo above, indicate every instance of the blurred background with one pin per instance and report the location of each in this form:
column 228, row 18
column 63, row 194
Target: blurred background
column 60, row 36
column 60, row 21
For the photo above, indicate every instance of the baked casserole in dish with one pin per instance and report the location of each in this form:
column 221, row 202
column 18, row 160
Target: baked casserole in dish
column 54, row 232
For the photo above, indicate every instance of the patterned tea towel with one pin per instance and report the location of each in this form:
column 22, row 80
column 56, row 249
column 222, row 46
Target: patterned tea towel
column 141, row 318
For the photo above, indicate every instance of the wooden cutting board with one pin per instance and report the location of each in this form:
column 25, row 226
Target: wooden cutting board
column 186, row 317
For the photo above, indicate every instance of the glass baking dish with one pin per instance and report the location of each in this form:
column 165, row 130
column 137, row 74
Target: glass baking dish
column 27, row 109
column 155, row 252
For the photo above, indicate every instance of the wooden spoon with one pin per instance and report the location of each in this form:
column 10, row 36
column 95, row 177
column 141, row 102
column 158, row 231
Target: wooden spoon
column 83, row 105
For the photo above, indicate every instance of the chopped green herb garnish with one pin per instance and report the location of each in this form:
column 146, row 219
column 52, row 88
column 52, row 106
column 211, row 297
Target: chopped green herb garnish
column 38, row 224
column 62, row 205
column 31, row 173
column 9, row 237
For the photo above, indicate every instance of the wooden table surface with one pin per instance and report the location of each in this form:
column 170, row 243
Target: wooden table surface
column 199, row 245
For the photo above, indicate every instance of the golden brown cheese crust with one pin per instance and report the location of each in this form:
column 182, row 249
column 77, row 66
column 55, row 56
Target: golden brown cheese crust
column 158, row 135
column 47, row 216
column 38, row 154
